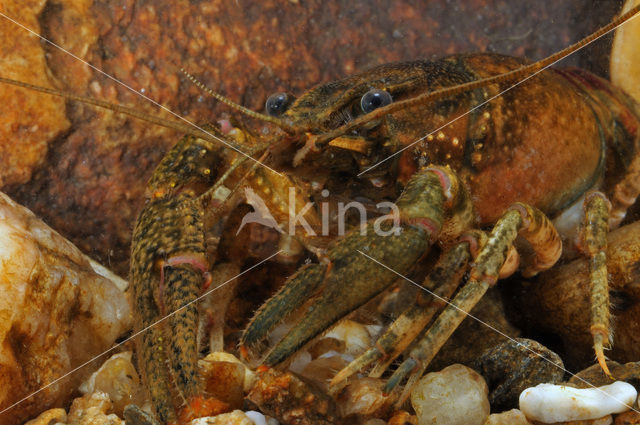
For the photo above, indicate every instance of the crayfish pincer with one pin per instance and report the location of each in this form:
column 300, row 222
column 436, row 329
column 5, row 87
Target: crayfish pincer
column 169, row 271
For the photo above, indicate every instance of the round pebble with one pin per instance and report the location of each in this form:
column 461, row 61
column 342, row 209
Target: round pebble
column 456, row 395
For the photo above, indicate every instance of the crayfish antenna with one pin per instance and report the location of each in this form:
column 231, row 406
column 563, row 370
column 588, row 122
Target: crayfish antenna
column 185, row 127
column 246, row 111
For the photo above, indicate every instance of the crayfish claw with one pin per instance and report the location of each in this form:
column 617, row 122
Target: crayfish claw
column 288, row 299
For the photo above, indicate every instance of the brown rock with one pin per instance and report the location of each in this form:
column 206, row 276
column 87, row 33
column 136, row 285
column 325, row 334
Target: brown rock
column 627, row 418
column 28, row 123
column 291, row 400
column 515, row 365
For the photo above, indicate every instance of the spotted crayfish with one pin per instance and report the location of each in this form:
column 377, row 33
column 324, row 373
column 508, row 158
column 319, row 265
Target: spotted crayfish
column 462, row 143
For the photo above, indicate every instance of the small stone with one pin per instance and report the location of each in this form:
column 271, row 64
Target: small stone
column 515, row 365
column 92, row 409
column 510, row 417
column 354, row 335
column 237, row 417
column 558, row 403
column 456, row 395
column 224, row 381
column 402, row 417
column 118, row 378
column 325, row 345
column 322, row 369
column 364, row 397
column 51, row 416
column 628, row 418
column 300, row 361
column 249, row 376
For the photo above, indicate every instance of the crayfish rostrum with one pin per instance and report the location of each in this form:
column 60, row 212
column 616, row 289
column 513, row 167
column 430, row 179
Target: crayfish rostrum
column 463, row 143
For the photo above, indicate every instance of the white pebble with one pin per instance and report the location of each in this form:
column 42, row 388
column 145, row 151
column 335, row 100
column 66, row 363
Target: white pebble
column 259, row 419
column 550, row 403
column 456, row 395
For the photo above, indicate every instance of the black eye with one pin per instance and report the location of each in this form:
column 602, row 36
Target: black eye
column 374, row 99
column 278, row 103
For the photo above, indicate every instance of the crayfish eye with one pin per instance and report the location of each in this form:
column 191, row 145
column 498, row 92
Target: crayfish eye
column 374, row 99
column 278, row 103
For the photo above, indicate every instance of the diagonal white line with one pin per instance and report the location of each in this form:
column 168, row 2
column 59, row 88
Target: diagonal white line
column 488, row 100
column 448, row 302
column 135, row 91
column 138, row 333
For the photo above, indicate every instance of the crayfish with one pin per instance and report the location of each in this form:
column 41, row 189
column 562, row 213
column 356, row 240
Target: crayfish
column 467, row 142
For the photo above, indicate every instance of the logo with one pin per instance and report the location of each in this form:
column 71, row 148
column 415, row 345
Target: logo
column 260, row 213
column 263, row 216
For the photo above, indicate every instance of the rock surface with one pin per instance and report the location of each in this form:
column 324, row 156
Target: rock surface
column 56, row 314
column 456, row 395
